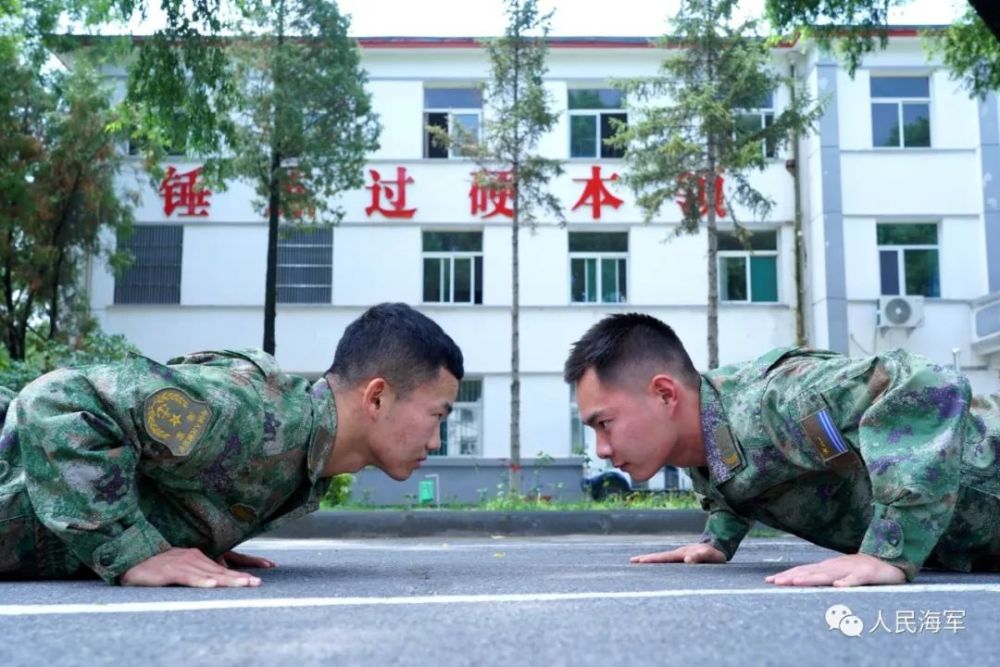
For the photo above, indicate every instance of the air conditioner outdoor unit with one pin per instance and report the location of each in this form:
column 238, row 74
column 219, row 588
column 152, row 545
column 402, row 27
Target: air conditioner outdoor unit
column 986, row 324
column 900, row 311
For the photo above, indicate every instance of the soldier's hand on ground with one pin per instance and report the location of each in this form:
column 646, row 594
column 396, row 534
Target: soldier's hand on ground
column 236, row 559
column 842, row 571
column 689, row 553
column 185, row 567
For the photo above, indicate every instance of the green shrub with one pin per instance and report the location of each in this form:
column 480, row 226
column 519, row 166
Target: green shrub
column 96, row 347
column 339, row 492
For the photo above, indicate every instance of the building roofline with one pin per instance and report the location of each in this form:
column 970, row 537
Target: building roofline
column 583, row 41
column 570, row 42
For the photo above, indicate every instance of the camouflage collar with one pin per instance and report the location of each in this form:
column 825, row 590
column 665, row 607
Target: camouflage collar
column 722, row 451
column 324, row 427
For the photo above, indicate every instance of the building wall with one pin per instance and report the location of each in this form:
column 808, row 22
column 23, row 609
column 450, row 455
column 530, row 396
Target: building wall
column 847, row 188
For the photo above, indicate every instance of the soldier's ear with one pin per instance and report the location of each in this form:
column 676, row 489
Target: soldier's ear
column 664, row 387
column 372, row 397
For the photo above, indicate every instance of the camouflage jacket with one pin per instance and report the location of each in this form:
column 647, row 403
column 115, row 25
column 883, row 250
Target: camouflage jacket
column 887, row 455
column 106, row 466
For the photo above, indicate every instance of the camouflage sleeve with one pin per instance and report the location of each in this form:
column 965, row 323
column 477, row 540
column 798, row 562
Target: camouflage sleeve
column 724, row 530
column 81, row 474
column 911, row 440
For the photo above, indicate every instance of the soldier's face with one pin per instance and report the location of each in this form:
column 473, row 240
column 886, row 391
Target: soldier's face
column 408, row 428
column 634, row 424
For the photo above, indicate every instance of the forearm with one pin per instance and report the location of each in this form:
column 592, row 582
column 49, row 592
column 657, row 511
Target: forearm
column 725, row 531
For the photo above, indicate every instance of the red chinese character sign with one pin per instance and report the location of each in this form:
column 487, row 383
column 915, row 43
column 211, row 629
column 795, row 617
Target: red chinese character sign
column 491, row 193
column 698, row 196
column 181, row 191
column 393, row 193
column 596, row 193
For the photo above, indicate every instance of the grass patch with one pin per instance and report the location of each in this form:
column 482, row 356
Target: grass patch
column 512, row 503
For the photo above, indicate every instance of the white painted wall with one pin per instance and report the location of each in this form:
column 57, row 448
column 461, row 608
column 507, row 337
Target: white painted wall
column 377, row 263
column 496, row 416
column 379, row 259
column 231, row 262
column 898, row 182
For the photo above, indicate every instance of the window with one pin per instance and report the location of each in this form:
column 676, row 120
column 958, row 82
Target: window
column 155, row 273
column 908, row 258
column 305, row 265
column 598, row 266
column 453, row 267
column 901, row 116
column 759, row 118
column 461, row 432
column 583, row 440
column 453, row 110
column 748, row 275
column 590, row 115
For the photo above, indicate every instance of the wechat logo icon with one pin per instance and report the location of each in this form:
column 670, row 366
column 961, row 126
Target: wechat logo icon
column 840, row 617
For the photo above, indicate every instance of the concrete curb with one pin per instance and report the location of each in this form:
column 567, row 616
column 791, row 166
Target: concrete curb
column 425, row 523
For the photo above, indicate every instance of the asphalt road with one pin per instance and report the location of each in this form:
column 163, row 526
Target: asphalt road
column 569, row 600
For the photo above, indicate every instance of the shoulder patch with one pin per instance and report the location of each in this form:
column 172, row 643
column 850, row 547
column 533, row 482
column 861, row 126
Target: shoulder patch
column 732, row 458
column 826, row 438
column 175, row 420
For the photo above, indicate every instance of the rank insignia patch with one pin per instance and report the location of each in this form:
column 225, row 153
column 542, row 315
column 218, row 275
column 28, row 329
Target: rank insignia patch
column 729, row 453
column 243, row 512
column 176, row 420
column 824, row 436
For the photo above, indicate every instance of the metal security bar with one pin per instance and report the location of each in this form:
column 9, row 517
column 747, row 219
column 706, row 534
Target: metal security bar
column 155, row 273
column 305, row 265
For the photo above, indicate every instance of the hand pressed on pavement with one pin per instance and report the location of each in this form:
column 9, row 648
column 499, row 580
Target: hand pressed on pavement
column 185, row 567
column 689, row 553
column 842, row 572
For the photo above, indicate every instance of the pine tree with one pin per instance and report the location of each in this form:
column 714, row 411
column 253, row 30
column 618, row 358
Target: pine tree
column 693, row 124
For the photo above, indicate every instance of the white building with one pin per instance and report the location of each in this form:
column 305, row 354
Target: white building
column 913, row 213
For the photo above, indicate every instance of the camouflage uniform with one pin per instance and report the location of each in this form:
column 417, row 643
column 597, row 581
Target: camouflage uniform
column 104, row 467
column 887, row 455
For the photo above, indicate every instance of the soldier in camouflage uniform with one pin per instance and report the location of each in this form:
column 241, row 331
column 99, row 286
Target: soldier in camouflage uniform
column 888, row 459
column 149, row 474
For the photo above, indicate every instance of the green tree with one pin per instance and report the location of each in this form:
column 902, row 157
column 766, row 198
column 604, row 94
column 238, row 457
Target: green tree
column 689, row 127
column 299, row 124
column 969, row 47
column 58, row 163
column 304, row 125
column 518, row 112
column 192, row 78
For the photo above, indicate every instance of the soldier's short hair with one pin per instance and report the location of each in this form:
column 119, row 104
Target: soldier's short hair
column 621, row 345
column 395, row 342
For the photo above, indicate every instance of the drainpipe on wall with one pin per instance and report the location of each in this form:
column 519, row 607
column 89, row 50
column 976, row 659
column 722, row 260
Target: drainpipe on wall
column 794, row 168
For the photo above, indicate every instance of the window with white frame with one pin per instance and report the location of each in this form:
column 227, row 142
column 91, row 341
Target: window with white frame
column 583, row 440
column 908, row 259
column 154, row 276
column 457, row 111
column 453, row 267
column 901, row 111
column 748, row 275
column 591, row 111
column 598, row 267
column 462, row 431
column 305, row 265
column 752, row 121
